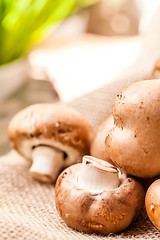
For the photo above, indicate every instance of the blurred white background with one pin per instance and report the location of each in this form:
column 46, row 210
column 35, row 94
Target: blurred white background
column 94, row 46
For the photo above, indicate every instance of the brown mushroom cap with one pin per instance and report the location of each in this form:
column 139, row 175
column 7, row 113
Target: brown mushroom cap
column 133, row 144
column 98, row 147
column 110, row 211
column 50, row 125
column 152, row 202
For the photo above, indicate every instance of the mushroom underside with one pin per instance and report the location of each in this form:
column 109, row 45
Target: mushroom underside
column 48, row 157
column 70, row 154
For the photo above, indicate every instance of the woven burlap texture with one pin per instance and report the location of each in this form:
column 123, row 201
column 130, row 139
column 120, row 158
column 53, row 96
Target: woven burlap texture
column 27, row 209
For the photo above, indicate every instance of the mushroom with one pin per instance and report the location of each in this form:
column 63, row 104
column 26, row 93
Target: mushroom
column 133, row 143
column 95, row 197
column 156, row 70
column 152, row 202
column 98, row 147
column 52, row 136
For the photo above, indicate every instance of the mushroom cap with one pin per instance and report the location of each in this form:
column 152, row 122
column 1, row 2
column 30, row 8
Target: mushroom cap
column 152, row 202
column 52, row 125
column 133, row 144
column 110, row 211
column 98, row 147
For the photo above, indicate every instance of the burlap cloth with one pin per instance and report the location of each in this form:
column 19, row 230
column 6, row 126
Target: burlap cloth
column 27, row 207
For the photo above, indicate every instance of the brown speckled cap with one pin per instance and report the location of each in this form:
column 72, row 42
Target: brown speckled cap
column 133, row 143
column 47, row 124
column 109, row 211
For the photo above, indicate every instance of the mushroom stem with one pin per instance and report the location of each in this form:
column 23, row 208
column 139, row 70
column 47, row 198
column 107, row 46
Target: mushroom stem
column 97, row 175
column 47, row 163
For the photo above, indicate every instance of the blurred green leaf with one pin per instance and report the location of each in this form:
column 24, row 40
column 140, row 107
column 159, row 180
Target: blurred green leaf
column 24, row 22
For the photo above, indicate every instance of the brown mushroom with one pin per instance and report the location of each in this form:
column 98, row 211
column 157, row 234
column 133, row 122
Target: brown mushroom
column 95, row 197
column 52, row 136
column 98, row 147
column 152, row 203
column 156, row 70
column 133, row 144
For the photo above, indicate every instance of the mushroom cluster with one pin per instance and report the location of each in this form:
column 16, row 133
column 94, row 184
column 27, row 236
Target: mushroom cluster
column 95, row 197
column 92, row 196
column 51, row 136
